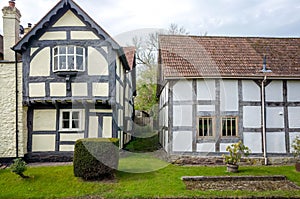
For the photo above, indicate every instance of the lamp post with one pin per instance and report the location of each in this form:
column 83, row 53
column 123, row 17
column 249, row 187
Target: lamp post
column 263, row 107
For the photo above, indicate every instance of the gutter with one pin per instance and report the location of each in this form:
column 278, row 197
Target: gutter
column 17, row 102
column 263, row 110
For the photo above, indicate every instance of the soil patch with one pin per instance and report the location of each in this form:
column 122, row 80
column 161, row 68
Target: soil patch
column 246, row 183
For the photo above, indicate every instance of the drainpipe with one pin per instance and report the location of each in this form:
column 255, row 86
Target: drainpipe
column 263, row 107
column 17, row 111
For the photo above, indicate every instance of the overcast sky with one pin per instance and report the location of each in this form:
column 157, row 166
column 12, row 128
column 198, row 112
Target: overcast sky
column 216, row 17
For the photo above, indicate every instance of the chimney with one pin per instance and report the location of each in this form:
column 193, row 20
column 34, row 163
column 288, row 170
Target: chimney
column 11, row 29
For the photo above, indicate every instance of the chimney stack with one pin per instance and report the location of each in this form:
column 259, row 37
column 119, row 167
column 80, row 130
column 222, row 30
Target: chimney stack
column 11, row 29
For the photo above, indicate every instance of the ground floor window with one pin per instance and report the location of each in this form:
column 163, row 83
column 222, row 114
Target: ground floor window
column 229, row 126
column 205, row 127
column 71, row 120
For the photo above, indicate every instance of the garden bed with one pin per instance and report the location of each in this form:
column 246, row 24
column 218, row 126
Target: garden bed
column 245, row 183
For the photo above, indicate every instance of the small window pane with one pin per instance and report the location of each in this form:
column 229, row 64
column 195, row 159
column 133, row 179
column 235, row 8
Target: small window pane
column 75, row 115
column 71, row 62
column 66, row 124
column 62, row 50
column 55, row 63
column 55, row 51
column 71, row 50
column 66, row 115
column 63, row 64
column 79, row 51
column 75, row 124
column 79, row 62
column 205, row 127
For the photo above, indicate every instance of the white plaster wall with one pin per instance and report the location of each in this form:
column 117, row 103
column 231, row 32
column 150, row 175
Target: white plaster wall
column 43, row 143
column 100, row 89
column 58, row 89
column 276, row 142
column 166, row 139
column 274, row 92
column 40, row 64
column 229, row 95
column 252, row 117
column 293, row 136
column 83, row 35
column 206, row 90
column 8, row 110
column 37, row 90
column 210, row 108
column 44, row 120
column 223, row 146
column 183, row 90
column 206, row 147
column 71, row 137
column 251, row 91
column 182, row 115
column 107, row 127
column 69, row 19
column 182, row 141
column 93, row 127
column 274, row 117
column 253, row 141
column 59, row 35
column 66, row 148
column 97, row 64
column 79, row 89
column 293, row 88
column 294, row 116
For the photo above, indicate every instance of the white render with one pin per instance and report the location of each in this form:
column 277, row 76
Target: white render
column 183, row 90
column 206, row 90
column 182, row 115
column 251, row 91
column 206, row 147
column 276, row 142
column 252, row 117
column 252, row 140
column 274, row 92
column 275, row 117
column 293, row 93
column 294, row 117
column 182, row 141
column 229, row 95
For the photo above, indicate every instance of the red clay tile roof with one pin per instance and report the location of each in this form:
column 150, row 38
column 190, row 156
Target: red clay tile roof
column 130, row 55
column 205, row 56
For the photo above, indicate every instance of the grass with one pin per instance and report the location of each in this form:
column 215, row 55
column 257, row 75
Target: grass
column 59, row 181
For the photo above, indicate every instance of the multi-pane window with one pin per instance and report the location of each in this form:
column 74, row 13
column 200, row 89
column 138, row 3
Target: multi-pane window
column 229, row 126
column 205, row 127
column 70, row 120
column 68, row 58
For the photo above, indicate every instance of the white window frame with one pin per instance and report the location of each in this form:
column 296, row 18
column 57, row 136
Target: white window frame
column 70, row 111
column 203, row 120
column 229, row 132
column 66, row 55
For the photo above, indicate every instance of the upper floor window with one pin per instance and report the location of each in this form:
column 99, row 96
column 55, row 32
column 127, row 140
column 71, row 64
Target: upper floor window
column 229, row 126
column 68, row 58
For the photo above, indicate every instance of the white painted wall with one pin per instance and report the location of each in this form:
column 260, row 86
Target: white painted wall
column 43, row 143
column 97, row 64
column 229, row 95
column 205, row 108
column 274, row 92
column 251, row 91
column 183, row 90
column 69, row 19
column 223, row 146
column 38, row 67
column 294, row 116
column 44, row 120
column 276, row 142
column 206, row 147
column 206, row 90
column 37, row 90
column 253, row 141
column 79, row 89
column 293, row 88
column 252, row 117
column 182, row 141
column 274, row 117
column 182, row 115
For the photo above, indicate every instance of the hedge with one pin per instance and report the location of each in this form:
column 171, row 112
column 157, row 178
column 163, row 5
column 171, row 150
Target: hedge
column 96, row 158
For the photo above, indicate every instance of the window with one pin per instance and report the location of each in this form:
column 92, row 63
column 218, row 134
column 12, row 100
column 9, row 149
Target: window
column 68, row 58
column 229, row 126
column 71, row 120
column 205, row 127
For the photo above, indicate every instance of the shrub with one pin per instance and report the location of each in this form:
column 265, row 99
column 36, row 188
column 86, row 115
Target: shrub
column 96, row 158
column 296, row 147
column 236, row 151
column 19, row 167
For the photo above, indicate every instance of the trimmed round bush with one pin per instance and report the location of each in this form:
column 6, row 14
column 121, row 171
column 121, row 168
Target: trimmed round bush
column 96, row 158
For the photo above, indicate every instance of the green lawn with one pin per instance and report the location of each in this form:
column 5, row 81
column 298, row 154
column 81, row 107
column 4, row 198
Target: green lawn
column 59, row 182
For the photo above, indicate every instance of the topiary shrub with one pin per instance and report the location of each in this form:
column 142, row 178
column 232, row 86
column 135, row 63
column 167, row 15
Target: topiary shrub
column 19, row 167
column 96, row 158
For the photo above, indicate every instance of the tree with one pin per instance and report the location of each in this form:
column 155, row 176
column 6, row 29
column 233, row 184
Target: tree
column 146, row 58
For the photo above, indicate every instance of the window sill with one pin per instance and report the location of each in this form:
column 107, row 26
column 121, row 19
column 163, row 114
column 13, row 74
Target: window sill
column 68, row 73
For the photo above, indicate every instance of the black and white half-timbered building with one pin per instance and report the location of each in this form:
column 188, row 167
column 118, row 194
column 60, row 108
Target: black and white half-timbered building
column 215, row 91
column 76, row 82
